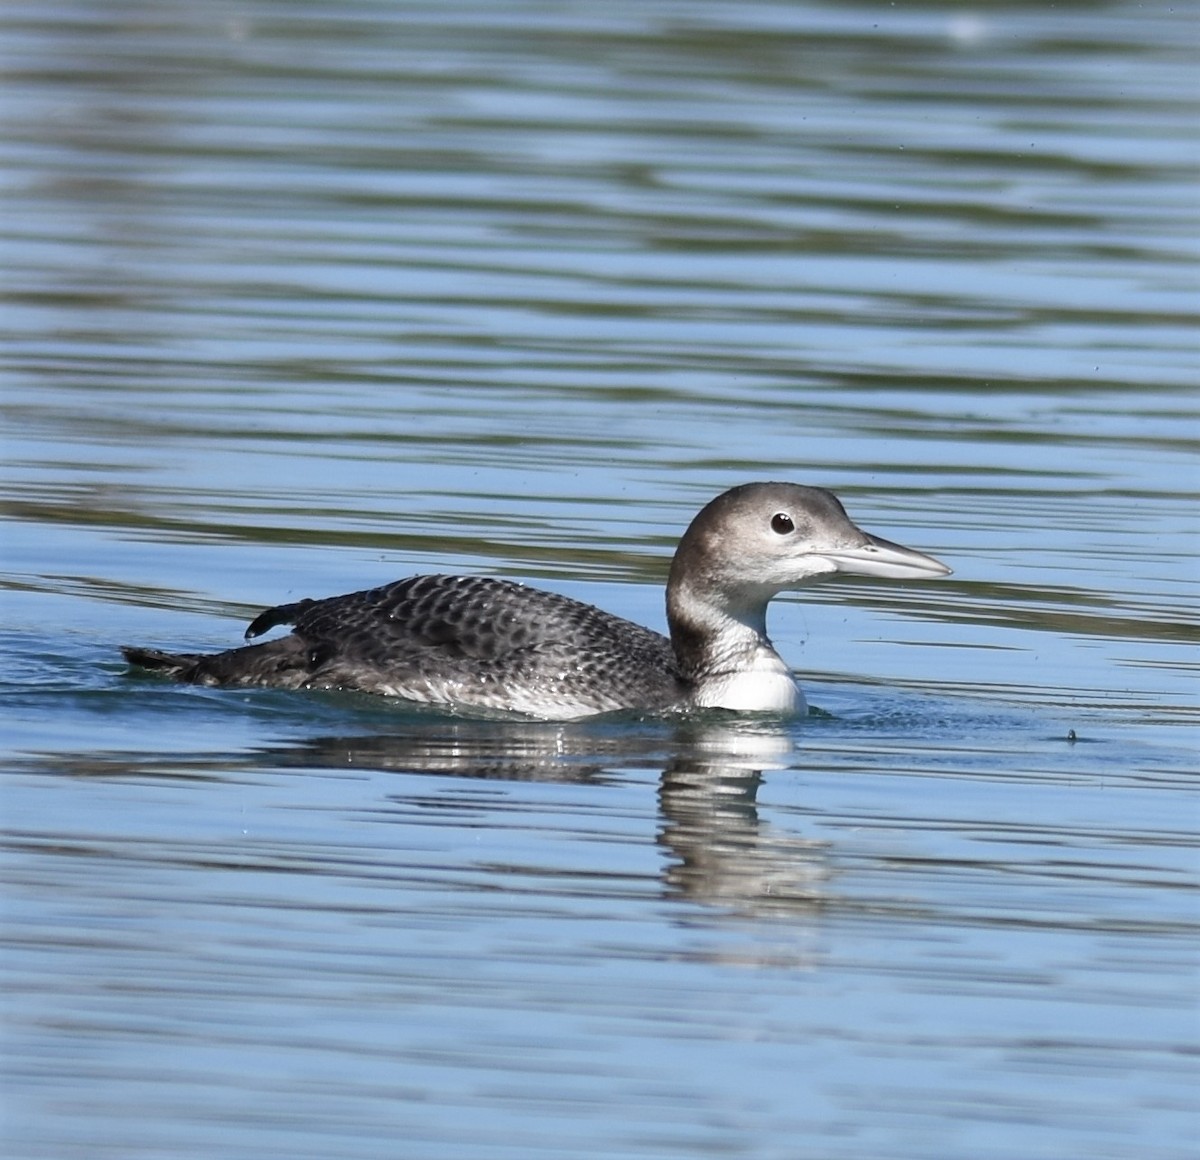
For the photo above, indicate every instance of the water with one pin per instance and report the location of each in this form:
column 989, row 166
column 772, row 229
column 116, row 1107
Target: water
column 300, row 298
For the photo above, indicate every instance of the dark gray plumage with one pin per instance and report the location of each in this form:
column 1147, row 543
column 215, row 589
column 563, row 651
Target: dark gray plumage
column 450, row 639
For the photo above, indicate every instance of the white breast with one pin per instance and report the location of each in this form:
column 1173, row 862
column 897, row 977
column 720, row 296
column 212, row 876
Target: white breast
column 766, row 686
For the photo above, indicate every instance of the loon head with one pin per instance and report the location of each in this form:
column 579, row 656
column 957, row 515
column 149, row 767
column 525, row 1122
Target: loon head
column 760, row 539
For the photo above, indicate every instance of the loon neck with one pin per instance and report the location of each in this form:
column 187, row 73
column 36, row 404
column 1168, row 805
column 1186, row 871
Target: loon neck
column 722, row 648
column 710, row 637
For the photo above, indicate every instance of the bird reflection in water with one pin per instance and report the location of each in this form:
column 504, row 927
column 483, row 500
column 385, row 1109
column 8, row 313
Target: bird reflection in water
column 718, row 850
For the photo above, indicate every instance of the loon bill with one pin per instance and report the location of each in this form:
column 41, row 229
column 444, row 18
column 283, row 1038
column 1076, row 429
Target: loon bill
column 473, row 642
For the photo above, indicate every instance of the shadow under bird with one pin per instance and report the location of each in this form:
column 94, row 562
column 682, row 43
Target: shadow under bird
column 476, row 643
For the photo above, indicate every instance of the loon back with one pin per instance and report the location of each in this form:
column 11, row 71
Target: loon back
column 448, row 640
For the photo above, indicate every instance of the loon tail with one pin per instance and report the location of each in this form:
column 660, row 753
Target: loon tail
column 170, row 664
column 288, row 663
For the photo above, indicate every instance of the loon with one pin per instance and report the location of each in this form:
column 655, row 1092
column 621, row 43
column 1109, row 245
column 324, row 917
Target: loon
column 470, row 642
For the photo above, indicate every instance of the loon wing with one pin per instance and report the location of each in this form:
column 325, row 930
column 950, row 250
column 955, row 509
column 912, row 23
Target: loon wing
column 458, row 617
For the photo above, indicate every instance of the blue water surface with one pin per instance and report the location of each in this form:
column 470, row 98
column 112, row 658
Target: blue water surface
column 304, row 298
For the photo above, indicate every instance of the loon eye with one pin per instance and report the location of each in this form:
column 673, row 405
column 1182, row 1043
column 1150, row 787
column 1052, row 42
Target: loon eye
column 781, row 522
